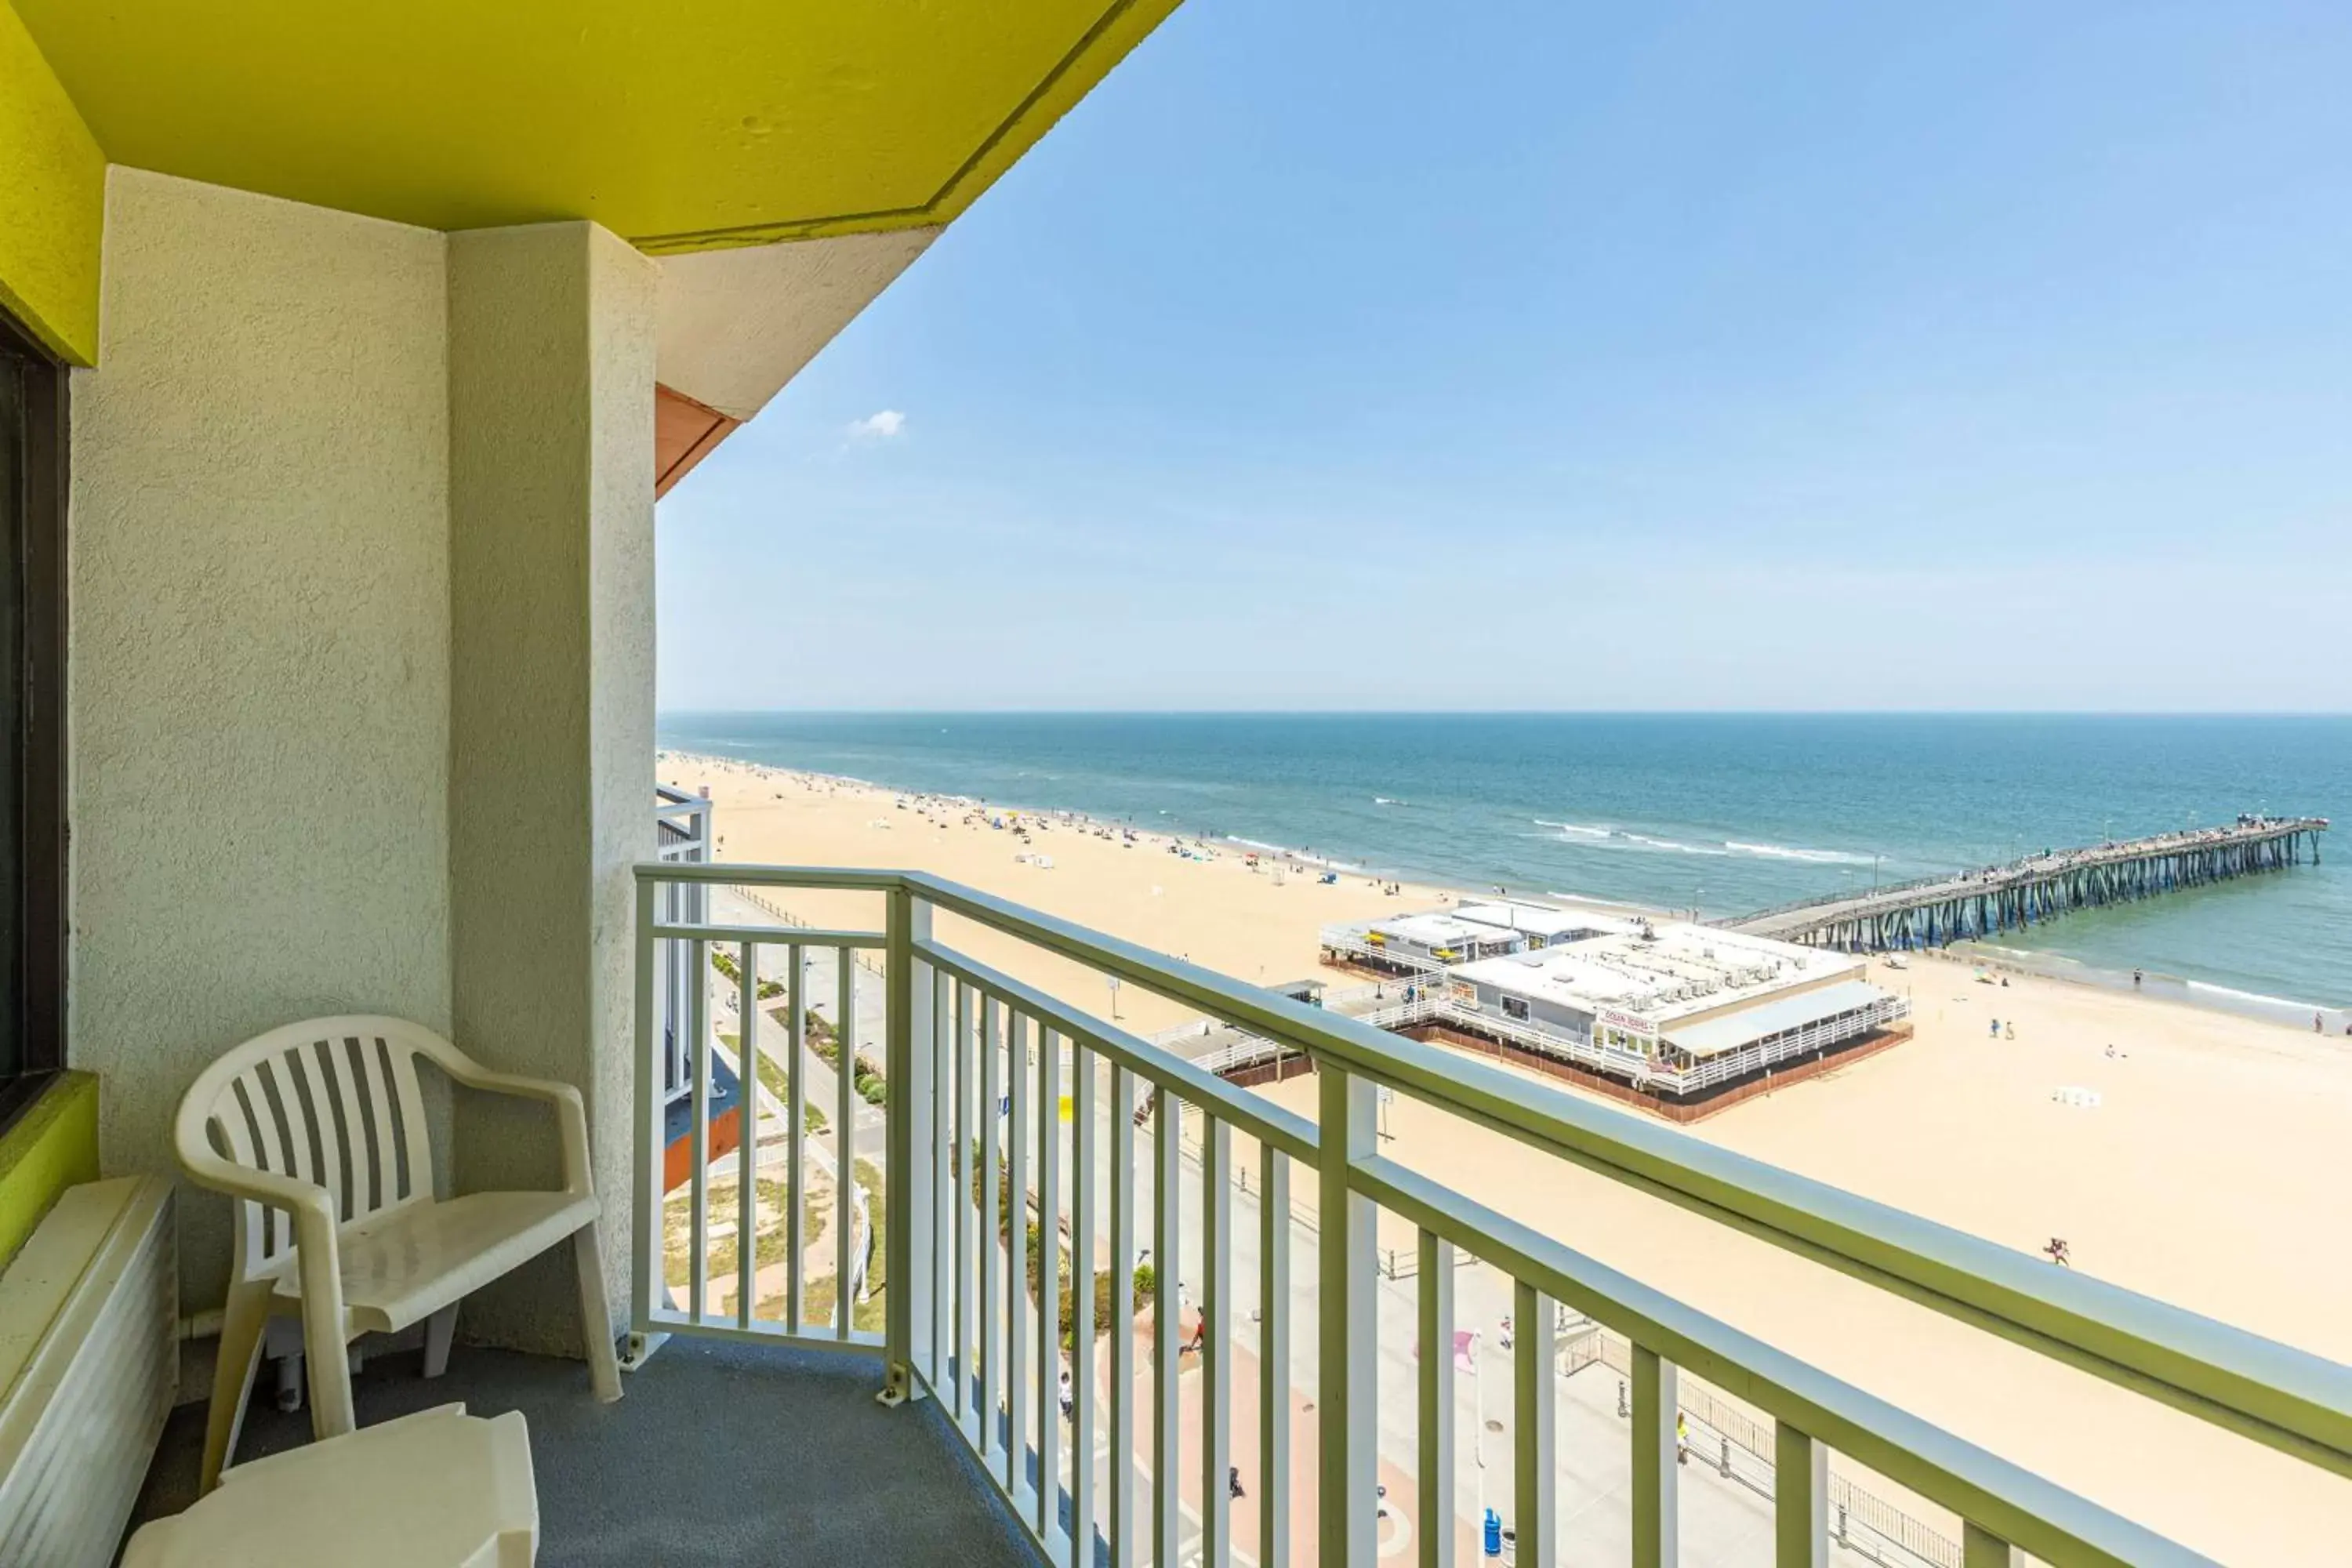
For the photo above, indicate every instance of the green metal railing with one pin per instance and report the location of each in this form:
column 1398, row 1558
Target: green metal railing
column 980, row 1065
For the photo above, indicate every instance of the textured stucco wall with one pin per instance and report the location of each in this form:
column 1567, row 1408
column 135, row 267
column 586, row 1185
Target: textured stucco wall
column 259, row 690
column 551, row 528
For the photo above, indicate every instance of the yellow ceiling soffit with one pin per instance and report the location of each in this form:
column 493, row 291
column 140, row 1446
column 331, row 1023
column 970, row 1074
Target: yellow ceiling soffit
column 684, row 126
column 52, row 203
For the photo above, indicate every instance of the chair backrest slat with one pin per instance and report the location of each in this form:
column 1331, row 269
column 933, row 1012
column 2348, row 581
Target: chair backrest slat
column 417, row 1140
column 274, row 1145
column 383, row 1128
column 352, row 1135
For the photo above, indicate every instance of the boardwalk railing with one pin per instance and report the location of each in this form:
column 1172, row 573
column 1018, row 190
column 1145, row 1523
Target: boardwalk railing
column 933, row 1273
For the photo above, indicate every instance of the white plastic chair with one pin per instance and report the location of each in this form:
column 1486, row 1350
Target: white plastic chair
column 318, row 1129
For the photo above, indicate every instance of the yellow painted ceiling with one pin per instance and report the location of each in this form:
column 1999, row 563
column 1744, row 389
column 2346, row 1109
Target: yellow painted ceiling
column 682, row 125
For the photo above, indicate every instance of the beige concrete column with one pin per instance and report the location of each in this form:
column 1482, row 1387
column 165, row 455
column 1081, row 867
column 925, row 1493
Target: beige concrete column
column 552, row 334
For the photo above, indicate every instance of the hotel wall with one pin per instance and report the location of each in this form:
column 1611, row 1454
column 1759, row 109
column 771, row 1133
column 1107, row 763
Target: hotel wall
column 259, row 689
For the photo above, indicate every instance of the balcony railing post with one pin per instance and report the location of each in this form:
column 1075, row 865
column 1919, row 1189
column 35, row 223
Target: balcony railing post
column 1980, row 1548
column 1656, row 1459
column 646, row 1267
column 1346, row 1344
column 1800, row 1495
column 907, row 1191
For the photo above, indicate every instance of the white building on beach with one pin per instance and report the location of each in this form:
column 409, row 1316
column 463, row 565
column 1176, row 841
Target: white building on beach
column 1674, row 995
column 1672, row 1007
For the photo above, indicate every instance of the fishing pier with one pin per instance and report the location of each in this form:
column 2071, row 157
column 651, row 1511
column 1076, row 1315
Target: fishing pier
column 1934, row 911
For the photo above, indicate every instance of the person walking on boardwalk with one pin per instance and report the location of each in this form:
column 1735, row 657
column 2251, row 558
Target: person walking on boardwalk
column 1681, row 1438
column 1996, row 1028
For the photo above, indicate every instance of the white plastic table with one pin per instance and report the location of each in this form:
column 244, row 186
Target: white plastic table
column 437, row 1490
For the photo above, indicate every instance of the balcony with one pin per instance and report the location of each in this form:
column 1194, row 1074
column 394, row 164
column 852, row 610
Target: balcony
column 878, row 1376
column 1615, row 1420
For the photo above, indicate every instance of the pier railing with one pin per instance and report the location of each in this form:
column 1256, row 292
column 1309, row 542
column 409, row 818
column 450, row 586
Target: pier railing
column 1932, row 911
column 1005, row 1100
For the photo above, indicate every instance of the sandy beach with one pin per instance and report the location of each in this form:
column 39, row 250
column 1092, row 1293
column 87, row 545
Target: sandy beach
column 2208, row 1173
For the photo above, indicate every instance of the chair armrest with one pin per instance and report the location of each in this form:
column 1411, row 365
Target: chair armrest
column 571, row 1110
column 318, row 1256
column 298, row 1197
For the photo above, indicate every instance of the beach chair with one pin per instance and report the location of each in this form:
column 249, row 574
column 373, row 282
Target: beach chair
column 318, row 1129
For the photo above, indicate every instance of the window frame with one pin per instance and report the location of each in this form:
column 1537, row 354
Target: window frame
column 42, row 828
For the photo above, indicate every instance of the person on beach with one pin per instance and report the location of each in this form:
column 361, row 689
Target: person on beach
column 1996, row 1028
column 1069, row 1401
column 2059, row 1253
column 2009, row 1030
column 2135, row 979
column 1681, row 1438
column 1234, row 1482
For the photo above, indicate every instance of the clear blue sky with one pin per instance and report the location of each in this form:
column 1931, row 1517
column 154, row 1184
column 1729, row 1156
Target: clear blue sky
column 1337, row 354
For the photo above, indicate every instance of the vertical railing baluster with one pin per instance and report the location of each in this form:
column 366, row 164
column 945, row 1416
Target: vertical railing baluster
column 1124, row 1527
column 1801, row 1493
column 1534, row 1469
column 1049, row 1281
column 907, row 1184
column 845, row 1139
column 747, row 1142
column 967, row 1195
column 1435, row 1525
column 1347, row 1343
column 699, row 1135
column 1216, row 1332
column 1274, row 1359
column 1083, row 1360
column 1167, row 1328
column 1656, row 1406
column 992, row 1251
column 1017, row 1253
column 795, row 1117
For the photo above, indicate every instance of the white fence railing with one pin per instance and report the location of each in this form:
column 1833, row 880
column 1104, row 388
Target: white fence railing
column 1432, row 1003
column 990, row 1120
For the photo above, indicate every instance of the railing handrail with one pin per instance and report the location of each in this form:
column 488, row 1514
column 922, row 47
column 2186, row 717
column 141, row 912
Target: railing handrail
column 2288, row 1398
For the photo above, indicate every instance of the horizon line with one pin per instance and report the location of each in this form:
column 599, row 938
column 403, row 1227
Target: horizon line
column 1172, row 712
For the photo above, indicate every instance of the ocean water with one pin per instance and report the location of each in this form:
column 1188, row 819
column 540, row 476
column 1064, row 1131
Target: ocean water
column 1720, row 813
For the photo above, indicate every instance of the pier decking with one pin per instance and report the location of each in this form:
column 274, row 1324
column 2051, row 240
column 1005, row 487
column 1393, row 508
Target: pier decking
column 1934, row 911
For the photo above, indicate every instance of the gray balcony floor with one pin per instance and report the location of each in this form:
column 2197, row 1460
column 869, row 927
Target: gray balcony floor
column 716, row 1454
